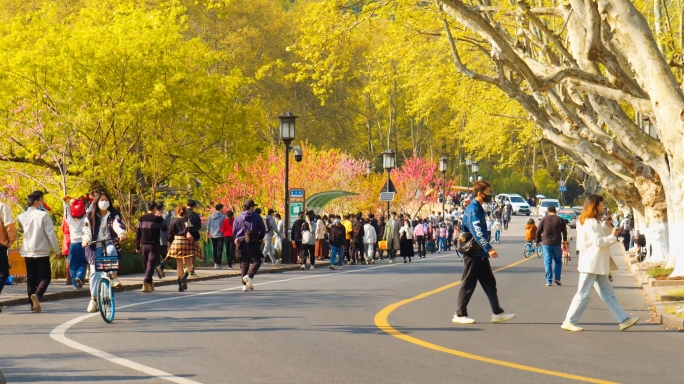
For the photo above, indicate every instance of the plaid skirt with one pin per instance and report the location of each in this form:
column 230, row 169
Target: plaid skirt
column 184, row 247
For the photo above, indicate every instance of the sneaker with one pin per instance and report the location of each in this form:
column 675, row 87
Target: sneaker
column 37, row 309
column 248, row 281
column 230, row 267
column 244, row 288
column 462, row 320
column 571, row 327
column 216, row 266
column 391, row 261
column 557, row 281
column 146, row 288
column 628, row 323
column 303, row 267
column 79, row 283
column 116, row 283
column 92, row 306
column 339, row 267
column 501, row 317
column 332, row 267
column 548, row 284
column 160, row 272
column 311, row 266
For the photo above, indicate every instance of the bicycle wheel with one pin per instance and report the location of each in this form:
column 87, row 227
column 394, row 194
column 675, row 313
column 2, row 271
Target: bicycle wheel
column 539, row 251
column 528, row 250
column 105, row 300
column 566, row 260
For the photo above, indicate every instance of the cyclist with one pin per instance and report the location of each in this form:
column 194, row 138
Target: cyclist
column 103, row 223
column 530, row 231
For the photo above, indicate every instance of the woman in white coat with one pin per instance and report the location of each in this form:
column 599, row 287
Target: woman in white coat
column 593, row 243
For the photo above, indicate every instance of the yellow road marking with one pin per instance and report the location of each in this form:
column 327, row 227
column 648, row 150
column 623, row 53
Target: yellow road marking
column 382, row 323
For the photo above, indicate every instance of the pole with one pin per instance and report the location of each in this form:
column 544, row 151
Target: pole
column 561, row 192
column 467, row 166
column 388, row 190
column 443, row 193
column 287, row 244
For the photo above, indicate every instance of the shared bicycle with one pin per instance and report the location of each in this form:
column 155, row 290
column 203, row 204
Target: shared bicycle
column 105, row 265
column 530, row 250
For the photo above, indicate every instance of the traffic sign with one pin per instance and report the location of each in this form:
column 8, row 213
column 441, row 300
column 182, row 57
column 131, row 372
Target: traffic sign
column 386, row 196
column 563, row 189
column 297, row 203
column 391, row 187
column 562, row 183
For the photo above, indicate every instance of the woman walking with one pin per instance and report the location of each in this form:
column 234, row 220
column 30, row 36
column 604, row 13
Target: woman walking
column 406, row 241
column 229, row 240
column 594, row 242
column 184, row 240
column 319, row 249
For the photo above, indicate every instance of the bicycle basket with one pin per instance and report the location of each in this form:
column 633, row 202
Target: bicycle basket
column 107, row 264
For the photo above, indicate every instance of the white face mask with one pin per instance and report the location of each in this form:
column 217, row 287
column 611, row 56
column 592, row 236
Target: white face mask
column 103, row 204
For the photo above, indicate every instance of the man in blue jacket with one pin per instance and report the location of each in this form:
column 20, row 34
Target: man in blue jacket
column 476, row 267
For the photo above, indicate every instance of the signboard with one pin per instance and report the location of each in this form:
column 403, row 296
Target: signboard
column 16, row 263
column 563, row 189
column 386, row 196
column 297, row 204
column 562, row 183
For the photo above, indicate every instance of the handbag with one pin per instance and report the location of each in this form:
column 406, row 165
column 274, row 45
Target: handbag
column 466, row 244
column 306, row 237
column 382, row 245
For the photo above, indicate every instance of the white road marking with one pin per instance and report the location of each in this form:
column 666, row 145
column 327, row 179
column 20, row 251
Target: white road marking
column 59, row 333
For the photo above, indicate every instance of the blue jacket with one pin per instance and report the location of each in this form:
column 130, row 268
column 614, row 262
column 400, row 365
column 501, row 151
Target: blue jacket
column 474, row 221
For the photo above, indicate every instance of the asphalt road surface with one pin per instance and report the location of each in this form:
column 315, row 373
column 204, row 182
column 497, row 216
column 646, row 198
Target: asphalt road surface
column 336, row 327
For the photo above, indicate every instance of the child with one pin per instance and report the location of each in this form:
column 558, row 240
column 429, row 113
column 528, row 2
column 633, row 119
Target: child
column 490, row 225
column 497, row 227
column 530, row 231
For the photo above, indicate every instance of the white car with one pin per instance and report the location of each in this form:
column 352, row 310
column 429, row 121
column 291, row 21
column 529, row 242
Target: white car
column 545, row 204
column 518, row 203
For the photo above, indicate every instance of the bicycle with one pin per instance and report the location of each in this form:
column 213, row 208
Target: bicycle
column 529, row 249
column 105, row 265
column 566, row 257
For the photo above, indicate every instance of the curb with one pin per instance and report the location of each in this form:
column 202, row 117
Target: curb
column 55, row 296
column 663, row 318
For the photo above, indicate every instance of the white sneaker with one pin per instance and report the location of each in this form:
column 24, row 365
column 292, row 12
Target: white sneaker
column 303, row 267
column 92, row 306
column 332, row 267
column 116, row 283
column 248, row 281
column 502, row 317
column 244, row 288
column 391, row 261
column 571, row 327
column 462, row 320
column 311, row 267
column 216, row 266
column 628, row 323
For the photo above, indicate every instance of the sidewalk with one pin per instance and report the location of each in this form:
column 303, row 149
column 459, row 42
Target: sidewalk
column 653, row 289
column 58, row 290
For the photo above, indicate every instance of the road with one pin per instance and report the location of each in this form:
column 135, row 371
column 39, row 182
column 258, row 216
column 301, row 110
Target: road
column 323, row 327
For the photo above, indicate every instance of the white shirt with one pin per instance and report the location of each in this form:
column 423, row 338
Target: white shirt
column 593, row 243
column 39, row 234
column 369, row 235
column 6, row 215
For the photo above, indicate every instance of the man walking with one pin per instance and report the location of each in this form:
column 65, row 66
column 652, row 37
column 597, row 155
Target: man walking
column 39, row 236
column 349, row 229
column 357, row 239
column 381, row 234
column 8, row 235
column 476, row 267
column 297, row 235
column 163, row 240
column 336, row 237
column 552, row 233
column 391, row 236
column 147, row 242
column 249, row 232
column 196, row 222
column 215, row 235
column 370, row 238
column 271, row 227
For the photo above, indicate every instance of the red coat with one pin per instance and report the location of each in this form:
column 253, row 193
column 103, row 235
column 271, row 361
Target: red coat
column 227, row 227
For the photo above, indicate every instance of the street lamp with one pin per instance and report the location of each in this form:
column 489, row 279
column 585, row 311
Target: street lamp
column 388, row 164
column 443, row 164
column 287, row 134
column 561, row 166
column 476, row 168
column 469, row 162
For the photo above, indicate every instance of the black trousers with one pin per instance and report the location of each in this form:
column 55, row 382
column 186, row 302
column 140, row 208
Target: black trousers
column 229, row 242
column 4, row 267
column 420, row 240
column 217, row 247
column 625, row 242
column 150, row 258
column 345, row 249
column 308, row 250
column 356, row 249
column 38, row 276
column 250, row 259
column 477, row 268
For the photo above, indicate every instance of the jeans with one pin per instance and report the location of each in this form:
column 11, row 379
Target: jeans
column 38, row 276
column 95, row 276
column 77, row 262
column 217, row 247
column 497, row 236
column 442, row 243
column 552, row 254
column 477, row 268
column 336, row 255
column 420, row 240
column 602, row 285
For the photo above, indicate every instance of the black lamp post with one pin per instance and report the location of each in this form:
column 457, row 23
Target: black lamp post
column 561, row 166
column 287, row 134
column 476, row 169
column 443, row 164
column 469, row 162
column 388, row 164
